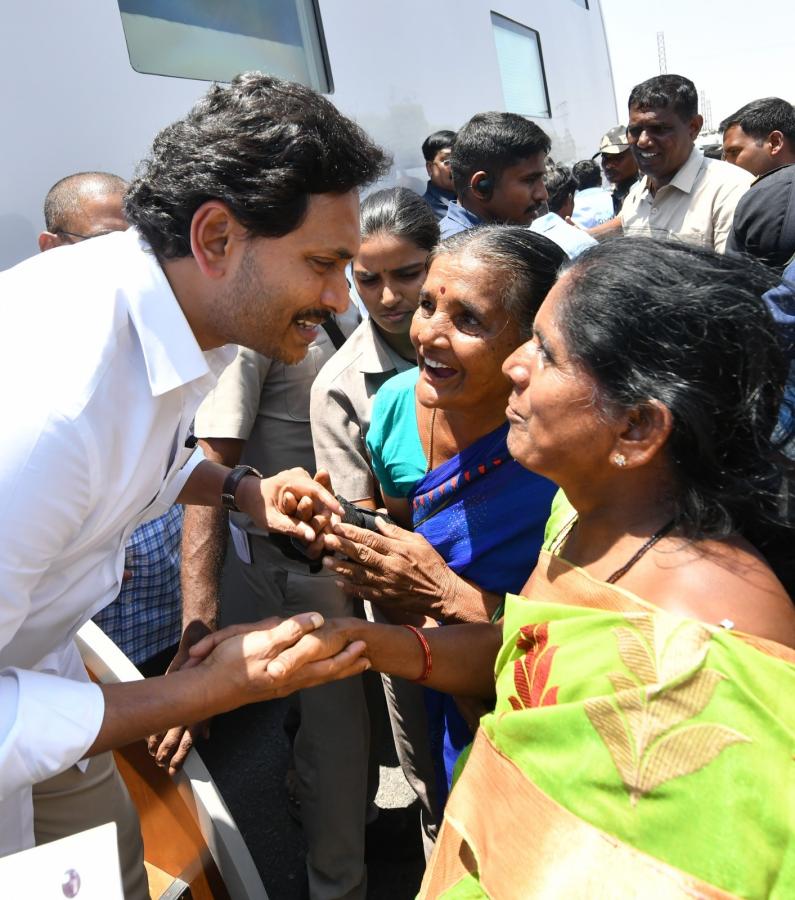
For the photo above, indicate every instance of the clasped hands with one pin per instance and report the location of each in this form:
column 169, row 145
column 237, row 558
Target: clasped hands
column 258, row 661
column 292, row 503
column 393, row 568
column 273, row 658
column 396, row 569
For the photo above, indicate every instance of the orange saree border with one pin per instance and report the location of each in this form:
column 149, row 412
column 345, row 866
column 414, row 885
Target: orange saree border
column 544, row 852
column 559, row 581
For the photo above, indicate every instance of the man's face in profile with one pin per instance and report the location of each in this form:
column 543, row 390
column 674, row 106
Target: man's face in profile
column 619, row 167
column 439, row 170
column 519, row 196
column 284, row 288
column 745, row 151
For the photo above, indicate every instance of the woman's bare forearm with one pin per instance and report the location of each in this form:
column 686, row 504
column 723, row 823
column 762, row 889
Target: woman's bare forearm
column 462, row 655
column 466, row 602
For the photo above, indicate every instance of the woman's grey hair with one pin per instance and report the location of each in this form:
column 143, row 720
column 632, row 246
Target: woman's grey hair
column 526, row 265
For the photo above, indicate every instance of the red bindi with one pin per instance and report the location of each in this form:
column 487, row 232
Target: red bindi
column 442, row 289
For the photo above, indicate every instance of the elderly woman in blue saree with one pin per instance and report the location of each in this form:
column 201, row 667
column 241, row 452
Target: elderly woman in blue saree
column 473, row 518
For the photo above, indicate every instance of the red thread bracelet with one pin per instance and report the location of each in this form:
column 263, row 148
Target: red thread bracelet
column 428, row 667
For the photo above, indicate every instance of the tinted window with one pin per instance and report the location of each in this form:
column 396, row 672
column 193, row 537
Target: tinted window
column 524, row 84
column 214, row 41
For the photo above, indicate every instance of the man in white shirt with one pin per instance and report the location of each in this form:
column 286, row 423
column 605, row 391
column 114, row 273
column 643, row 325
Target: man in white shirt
column 681, row 194
column 243, row 220
column 561, row 186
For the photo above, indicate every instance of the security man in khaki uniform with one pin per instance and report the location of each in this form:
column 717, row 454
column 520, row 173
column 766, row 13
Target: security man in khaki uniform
column 258, row 415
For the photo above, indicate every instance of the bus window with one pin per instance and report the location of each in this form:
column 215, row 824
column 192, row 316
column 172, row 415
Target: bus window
column 524, row 85
column 214, row 41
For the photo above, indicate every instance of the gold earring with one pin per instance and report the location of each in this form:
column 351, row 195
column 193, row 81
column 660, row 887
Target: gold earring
column 619, row 460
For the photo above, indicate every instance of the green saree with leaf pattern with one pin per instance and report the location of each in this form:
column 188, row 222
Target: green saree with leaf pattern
column 631, row 753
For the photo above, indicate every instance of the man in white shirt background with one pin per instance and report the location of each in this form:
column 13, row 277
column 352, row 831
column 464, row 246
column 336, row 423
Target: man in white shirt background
column 243, row 220
column 681, row 194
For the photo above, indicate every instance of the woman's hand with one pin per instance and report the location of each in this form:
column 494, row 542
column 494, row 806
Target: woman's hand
column 395, row 569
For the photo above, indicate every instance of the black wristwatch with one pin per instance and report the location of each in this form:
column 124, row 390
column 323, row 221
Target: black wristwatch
column 231, row 483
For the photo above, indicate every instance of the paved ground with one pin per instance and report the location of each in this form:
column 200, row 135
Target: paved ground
column 247, row 755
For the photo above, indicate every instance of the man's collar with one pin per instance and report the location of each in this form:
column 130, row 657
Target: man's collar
column 436, row 191
column 685, row 178
column 459, row 213
column 686, row 175
column 171, row 353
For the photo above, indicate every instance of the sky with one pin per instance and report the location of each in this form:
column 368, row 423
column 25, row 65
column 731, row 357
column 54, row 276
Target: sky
column 733, row 50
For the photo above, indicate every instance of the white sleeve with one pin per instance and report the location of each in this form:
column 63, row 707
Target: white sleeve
column 726, row 202
column 47, row 723
column 46, row 492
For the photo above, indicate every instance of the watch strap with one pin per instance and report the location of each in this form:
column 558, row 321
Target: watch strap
column 231, row 483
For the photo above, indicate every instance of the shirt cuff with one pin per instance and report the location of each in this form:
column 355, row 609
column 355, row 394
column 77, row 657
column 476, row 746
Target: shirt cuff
column 52, row 724
column 169, row 494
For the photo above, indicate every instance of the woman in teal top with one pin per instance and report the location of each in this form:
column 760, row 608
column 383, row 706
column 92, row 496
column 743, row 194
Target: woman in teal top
column 394, row 444
column 437, row 440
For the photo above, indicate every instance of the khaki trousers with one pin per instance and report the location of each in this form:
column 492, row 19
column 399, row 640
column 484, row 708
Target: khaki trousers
column 408, row 718
column 332, row 744
column 74, row 801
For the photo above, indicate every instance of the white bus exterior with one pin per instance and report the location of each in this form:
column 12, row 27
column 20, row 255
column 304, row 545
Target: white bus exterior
column 72, row 100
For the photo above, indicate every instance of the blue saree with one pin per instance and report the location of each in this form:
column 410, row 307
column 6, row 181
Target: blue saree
column 485, row 515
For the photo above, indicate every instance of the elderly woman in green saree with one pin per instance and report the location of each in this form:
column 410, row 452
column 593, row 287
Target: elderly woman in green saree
column 642, row 734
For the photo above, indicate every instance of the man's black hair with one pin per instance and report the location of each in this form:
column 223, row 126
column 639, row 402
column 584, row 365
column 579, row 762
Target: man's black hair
column 439, row 140
column 759, row 117
column 64, row 198
column 493, row 141
column 666, row 90
column 587, row 174
column 560, row 185
column 260, row 145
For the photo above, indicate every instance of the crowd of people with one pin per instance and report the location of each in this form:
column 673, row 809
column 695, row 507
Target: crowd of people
column 514, row 455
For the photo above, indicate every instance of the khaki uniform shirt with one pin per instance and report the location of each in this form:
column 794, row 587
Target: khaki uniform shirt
column 265, row 403
column 341, row 404
column 697, row 205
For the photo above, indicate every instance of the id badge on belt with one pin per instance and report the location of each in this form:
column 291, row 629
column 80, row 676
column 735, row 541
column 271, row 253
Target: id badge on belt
column 241, row 542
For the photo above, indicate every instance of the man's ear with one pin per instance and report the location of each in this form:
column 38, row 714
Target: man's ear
column 695, row 126
column 216, row 237
column 481, row 185
column 646, row 431
column 48, row 240
column 429, row 168
column 776, row 141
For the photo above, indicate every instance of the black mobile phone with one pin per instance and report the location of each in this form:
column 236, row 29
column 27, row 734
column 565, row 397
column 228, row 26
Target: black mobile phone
column 360, row 516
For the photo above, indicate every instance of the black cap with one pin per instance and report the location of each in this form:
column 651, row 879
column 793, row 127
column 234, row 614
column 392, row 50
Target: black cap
column 764, row 221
